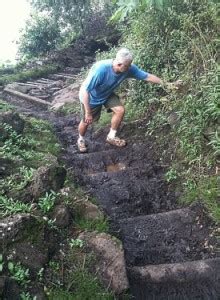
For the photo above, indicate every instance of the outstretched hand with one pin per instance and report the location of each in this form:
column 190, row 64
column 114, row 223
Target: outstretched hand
column 178, row 83
column 174, row 85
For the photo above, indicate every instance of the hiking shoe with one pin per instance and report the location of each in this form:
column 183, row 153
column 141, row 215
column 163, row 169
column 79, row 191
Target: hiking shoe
column 81, row 146
column 116, row 141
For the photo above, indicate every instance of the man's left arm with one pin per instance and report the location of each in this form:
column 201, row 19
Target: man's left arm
column 169, row 85
column 137, row 73
column 154, row 79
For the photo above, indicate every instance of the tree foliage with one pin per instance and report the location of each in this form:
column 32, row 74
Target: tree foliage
column 181, row 43
column 126, row 7
column 56, row 23
column 70, row 12
column 42, row 34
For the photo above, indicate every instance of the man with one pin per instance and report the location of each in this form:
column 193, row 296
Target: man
column 98, row 90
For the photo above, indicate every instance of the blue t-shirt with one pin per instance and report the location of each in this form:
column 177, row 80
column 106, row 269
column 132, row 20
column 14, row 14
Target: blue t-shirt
column 102, row 80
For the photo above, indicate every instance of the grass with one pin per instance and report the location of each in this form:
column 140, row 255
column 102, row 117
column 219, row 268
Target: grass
column 36, row 141
column 70, row 108
column 28, row 74
column 42, row 132
column 99, row 225
column 80, row 283
column 205, row 190
column 5, row 107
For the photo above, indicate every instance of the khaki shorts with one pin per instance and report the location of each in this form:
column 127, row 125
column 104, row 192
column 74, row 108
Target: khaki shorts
column 113, row 101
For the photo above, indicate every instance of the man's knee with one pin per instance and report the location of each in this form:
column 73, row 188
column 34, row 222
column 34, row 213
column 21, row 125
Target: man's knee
column 119, row 110
column 82, row 123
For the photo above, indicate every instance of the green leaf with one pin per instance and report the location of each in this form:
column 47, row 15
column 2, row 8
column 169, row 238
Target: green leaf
column 10, row 266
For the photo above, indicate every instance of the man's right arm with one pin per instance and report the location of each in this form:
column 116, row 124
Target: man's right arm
column 85, row 101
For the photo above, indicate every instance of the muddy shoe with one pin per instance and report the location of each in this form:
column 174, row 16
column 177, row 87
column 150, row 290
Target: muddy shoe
column 116, row 141
column 81, row 146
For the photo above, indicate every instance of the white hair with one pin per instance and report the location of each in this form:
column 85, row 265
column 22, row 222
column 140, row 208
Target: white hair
column 123, row 55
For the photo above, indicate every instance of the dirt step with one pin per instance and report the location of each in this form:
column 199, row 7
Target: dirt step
column 91, row 163
column 183, row 281
column 110, row 157
column 129, row 193
column 23, row 105
column 176, row 236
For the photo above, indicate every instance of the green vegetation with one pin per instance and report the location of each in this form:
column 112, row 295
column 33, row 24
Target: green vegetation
column 81, row 284
column 20, row 74
column 27, row 152
column 4, row 106
column 56, row 24
column 1, row 262
column 42, row 34
column 47, row 202
column 33, row 145
column 76, row 243
column 70, row 108
column 17, row 181
column 19, row 273
column 171, row 175
column 99, row 225
column 27, row 296
column 204, row 189
column 10, row 206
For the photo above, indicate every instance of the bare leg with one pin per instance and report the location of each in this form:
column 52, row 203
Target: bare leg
column 82, row 128
column 81, row 141
column 118, row 114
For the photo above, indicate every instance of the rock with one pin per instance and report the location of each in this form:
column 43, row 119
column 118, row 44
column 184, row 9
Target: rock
column 2, row 285
column 50, row 159
column 57, row 106
column 16, row 227
column 110, row 263
column 11, row 290
column 173, row 118
column 61, row 215
column 6, row 167
column 30, row 255
column 89, row 211
column 17, row 87
column 69, row 94
column 46, row 179
column 12, row 119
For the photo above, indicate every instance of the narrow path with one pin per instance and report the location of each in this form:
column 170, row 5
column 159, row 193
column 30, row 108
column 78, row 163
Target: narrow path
column 165, row 246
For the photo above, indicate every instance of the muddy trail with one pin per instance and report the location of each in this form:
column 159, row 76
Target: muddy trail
column 165, row 245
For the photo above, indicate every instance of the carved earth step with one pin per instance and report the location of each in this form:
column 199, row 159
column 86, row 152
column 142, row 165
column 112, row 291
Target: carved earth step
column 179, row 281
column 94, row 162
column 125, row 194
column 171, row 237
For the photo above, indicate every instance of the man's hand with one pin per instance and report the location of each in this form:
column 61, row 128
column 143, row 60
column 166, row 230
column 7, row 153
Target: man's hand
column 178, row 83
column 171, row 86
column 88, row 118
